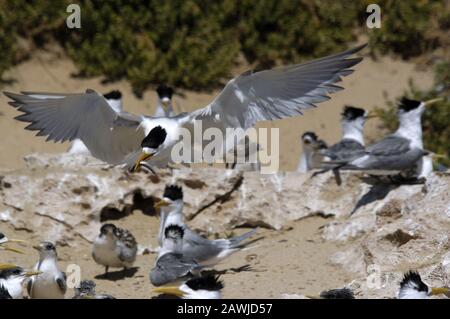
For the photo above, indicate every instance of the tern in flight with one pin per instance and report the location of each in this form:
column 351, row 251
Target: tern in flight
column 134, row 140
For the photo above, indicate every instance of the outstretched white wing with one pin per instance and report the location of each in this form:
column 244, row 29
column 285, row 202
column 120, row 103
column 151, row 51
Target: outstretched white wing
column 108, row 135
column 278, row 93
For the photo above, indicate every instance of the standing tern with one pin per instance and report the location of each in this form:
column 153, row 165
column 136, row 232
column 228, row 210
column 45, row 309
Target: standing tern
column 351, row 145
column 412, row 287
column 206, row 252
column 12, row 278
column 5, row 240
column 114, row 247
column 114, row 99
column 399, row 152
column 51, row 283
column 124, row 138
column 207, row 286
column 311, row 156
column 164, row 108
column 172, row 265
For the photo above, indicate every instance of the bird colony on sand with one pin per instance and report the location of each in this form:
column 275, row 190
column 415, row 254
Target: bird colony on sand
column 98, row 125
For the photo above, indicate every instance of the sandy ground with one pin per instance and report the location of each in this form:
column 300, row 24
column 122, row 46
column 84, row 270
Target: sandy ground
column 292, row 262
column 285, row 262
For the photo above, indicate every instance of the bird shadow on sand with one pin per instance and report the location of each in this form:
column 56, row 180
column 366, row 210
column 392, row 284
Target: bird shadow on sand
column 381, row 188
column 118, row 275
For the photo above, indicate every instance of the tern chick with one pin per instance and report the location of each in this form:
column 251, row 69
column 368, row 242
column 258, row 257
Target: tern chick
column 51, row 283
column 86, row 290
column 311, row 152
column 114, row 247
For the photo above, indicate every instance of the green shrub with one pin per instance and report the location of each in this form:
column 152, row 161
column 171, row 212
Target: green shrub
column 195, row 43
column 410, row 27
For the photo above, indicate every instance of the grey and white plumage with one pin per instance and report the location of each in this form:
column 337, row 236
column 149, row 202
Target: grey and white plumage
column 164, row 106
column 351, row 145
column 117, row 138
column 398, row 152
column 86, row 290
column 412, row 287
column 51, row 283
column 114, row 247
column 172, row 265
column 205, row 286
column 12, row 278
column 311, row 156
column 114, row 99
column 206, row 252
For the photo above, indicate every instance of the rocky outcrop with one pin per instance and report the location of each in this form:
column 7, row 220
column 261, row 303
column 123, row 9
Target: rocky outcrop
column 388, row 228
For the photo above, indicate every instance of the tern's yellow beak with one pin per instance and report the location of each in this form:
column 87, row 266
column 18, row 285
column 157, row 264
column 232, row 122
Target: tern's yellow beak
column 3, row 247
column 143, row 157
column 433, row 101
column 175, row 291
column 161, row 203
column 32, row 273
column 440, row 291
column 16, row 241
column 7, row 266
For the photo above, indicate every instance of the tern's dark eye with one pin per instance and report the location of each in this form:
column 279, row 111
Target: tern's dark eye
column 49, row 247
column 155, row 138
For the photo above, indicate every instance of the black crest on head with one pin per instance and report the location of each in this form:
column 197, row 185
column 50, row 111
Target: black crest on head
column 408, row 105
column 174, row 231
column 113, row 95
column 311, row 135
column 343, row 293
column 15, row 271
column 173, row 192
column 413, row 278
column 164, row 91
column 155, row 137
column 351, row 113
column 208, row 282
column 2, row 236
